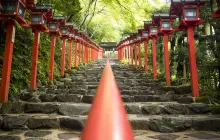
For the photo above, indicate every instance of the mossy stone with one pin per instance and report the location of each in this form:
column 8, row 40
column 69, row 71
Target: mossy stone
column 202, row 99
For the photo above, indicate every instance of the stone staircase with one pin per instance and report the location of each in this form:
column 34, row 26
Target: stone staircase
column 59, row 111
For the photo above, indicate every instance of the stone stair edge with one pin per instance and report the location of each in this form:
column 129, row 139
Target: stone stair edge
column 159, row 124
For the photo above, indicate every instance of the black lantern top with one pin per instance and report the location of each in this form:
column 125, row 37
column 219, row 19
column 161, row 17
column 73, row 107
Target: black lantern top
column 14, row 9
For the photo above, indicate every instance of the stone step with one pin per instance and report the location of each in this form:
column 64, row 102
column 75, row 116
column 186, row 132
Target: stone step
column 59, row 134
column 77, row 98
column 70, row 109
column 163, row 124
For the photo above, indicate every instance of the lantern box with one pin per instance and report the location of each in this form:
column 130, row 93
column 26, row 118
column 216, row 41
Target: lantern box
column 139, row 37
column 38, row 16
column 145, row 35
column 65, row 30
column 71, row 35
column 76, row 37
column 153, row 31
column 134, row 37
column 164, row 22
column 217, row 13
column 189, row 13
column 75, row 30
column 14, row 9
column 55, row 23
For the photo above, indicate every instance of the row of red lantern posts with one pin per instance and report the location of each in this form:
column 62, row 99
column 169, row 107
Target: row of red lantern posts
column 42, row 21
column 188, row 13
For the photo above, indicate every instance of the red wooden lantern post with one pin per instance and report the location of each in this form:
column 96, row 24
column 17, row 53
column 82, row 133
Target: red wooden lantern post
column 131, row 50
column 14, row 9
column 217, row 13
column 54, row 30
column 86, row 51
column 118, row 51
column 153, row 34
column 75, row 31
column 139, row 38
column 90, row 50
column 135, row 43
column 189, row 18
column 80, row 48
column 39, row 16
column 164, row 20
column 71, row 37
column 145, row 39
column 65, row 29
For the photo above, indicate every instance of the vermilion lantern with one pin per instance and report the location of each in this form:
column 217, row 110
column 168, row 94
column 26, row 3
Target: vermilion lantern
column 55, row 23
column 153, row 31
column 217, row 13
column 38, row 16
column 189, row 19
column 14, row 9
column 189, row 13
column 164, row 22
column 139, row 37
column 145, row 35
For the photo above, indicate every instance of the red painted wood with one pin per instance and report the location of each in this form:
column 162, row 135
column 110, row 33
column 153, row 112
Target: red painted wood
column 70, row 54
column 89, row 53
column 35, row 59
column 154, row 55
column 192, row 60
column 75, row 54
column 83, row 53
column 80, row 52
column 139, row 54
column 146, row 55
column 107, row 119
column 132, row 54
column 63, row 56
column 135, row 54
column 167, row 60
column 6, row 71
column 52, row 53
